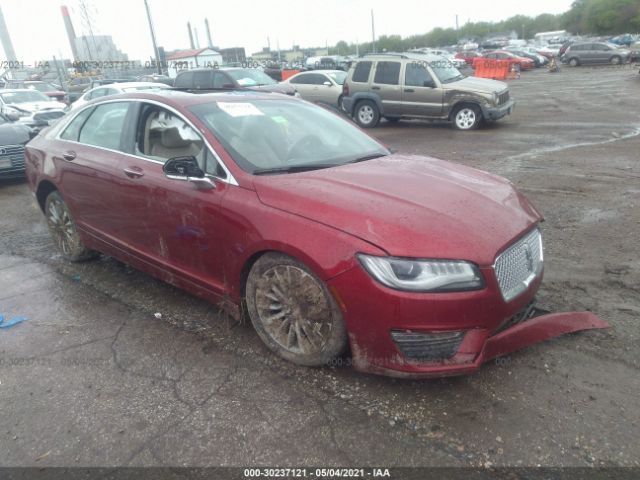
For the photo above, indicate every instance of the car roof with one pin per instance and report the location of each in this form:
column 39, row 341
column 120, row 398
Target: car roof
column 180, row 98
column 132, row 85
column 403, row 55
column 16, row 90
column 319, row 71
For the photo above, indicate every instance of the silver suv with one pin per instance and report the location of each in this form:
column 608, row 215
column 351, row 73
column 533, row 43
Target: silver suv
column 411, row 85
column 595, row 52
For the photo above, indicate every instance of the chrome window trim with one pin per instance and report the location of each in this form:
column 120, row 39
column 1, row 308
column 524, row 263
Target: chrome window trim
column 230, row 178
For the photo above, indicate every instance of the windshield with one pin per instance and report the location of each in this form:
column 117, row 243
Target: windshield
column 41, row 87
column 263, row 135
column 24, row 97
column 338, row 77
column 251, row 77
column 446, row 72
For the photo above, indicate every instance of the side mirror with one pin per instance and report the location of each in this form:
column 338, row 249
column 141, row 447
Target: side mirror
column 187, row 169
column 327, row 83
column 183, row 167
column 428, row 83
column 12, row 116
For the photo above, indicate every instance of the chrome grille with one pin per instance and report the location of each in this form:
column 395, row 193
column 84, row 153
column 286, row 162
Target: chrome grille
column 15, row 153
column 519, row 265
column 503, row 98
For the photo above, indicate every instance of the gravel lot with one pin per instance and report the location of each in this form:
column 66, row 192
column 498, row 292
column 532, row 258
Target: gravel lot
column 93, row 378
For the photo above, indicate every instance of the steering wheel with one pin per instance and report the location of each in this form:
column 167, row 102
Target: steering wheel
column 305, row 144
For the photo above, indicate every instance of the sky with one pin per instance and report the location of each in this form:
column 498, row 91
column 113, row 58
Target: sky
column 37, row 30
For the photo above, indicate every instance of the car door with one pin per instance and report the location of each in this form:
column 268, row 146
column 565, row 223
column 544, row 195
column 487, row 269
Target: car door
column 421, row 94
column 327, row 90
column 88, row 155
column 172, row 224
column 386, row 83
column 589, row 53
column 306, row 85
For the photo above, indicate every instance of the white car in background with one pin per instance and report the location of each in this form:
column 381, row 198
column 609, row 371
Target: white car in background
column 319, row 86
column 115, row 89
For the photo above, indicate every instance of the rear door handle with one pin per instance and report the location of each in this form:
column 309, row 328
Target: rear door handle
column 69, row 155
column 375, row 88
column 409, row 90
column 133, row 172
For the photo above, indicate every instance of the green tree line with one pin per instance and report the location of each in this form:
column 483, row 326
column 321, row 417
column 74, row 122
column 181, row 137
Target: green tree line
column 597, row 17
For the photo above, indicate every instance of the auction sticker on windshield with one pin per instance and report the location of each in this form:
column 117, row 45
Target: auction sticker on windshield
column 239, row 109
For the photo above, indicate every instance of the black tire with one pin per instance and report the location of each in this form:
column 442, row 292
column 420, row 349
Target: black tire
column 63, row 230
column 467, row 117
column 340, row 105
column 574, row 62
column 615, row 60
column 366, row 114
column 293, row 312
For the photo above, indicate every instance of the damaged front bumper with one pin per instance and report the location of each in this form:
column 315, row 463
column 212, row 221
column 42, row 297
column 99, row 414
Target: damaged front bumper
column 411, row 335
column 479, row 346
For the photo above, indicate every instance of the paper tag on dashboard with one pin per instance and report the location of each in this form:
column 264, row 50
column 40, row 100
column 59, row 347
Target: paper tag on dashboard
column 239, row 109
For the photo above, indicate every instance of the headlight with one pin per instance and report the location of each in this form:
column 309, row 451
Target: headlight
column 423, row 275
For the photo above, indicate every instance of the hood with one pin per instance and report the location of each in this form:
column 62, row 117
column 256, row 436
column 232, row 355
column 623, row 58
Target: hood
column 13, row 134
column 276, row 88
column 33, row 107
column 475, row 84
column 409, row 206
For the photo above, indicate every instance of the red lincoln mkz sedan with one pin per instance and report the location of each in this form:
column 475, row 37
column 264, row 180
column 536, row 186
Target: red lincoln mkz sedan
column 253, row 200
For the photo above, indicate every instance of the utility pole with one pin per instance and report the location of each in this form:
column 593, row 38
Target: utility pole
column 153, row 38
column 457, row 32
column 373, row 33
column 523, row 31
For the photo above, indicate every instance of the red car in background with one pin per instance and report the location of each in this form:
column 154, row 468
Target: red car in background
column 273, row 206
column 513, row 59
column 468, row 56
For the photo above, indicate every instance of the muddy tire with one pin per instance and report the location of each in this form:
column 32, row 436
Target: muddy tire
column 574, row 62
column 366, row 114
column 616, row 60
column 467, row 117
column 63, row 230
column 293, row 312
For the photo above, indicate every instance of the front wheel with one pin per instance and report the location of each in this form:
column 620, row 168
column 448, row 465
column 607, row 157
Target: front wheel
column 63, row 229
column 574, row 62
column 467, row 117
column 367, row 114
column 293, row 312
column 616, row 60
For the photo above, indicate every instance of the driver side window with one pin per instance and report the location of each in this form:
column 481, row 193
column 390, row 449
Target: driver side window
column 162, row 135
column 416, row 75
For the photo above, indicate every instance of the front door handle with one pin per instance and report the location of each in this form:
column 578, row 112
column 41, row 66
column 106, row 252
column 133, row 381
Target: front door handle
column 133, row 172
column 69, row 155
column 409, row 90
column 375, row 88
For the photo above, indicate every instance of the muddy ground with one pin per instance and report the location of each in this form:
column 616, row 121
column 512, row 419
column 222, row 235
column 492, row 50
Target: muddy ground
column 94, row 378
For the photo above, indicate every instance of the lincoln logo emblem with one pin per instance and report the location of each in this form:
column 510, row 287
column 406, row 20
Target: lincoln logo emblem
column 3, row 151
column 529, row 256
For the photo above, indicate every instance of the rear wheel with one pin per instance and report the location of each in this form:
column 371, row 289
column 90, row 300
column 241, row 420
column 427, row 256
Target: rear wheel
column 63, row 229
column 616, row 60
column 467, row 117
column 367, row 114
column 293, row 312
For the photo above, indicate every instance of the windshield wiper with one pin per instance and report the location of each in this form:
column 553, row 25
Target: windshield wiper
column 368, row 157
column 293, row 168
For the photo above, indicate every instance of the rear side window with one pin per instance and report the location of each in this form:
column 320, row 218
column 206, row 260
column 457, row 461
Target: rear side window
column 184, row 80
column 104, row 126
column 202, row 80
column 361, row 72
column 387, row 73
column 73, row 129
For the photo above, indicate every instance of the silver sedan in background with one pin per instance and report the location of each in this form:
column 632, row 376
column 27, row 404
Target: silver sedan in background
column 320, row 86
